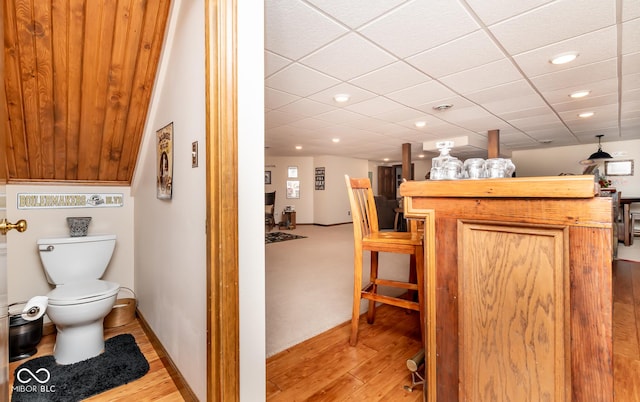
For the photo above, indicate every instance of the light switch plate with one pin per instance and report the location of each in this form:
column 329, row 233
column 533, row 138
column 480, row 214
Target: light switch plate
column 194, row 154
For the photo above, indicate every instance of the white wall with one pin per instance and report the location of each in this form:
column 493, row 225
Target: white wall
column 25, row 273
column 170, row 238
column 332, row 203
column 553, row 161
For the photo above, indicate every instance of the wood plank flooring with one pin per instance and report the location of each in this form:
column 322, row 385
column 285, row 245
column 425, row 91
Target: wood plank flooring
column 326, row 368
column 626, row 331
column 156, row 385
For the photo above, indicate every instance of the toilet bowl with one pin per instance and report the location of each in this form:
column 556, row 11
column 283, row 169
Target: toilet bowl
column 78, row 310
column 80, row 301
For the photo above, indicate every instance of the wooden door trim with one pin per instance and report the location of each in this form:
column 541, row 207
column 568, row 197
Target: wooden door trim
column 222, row 205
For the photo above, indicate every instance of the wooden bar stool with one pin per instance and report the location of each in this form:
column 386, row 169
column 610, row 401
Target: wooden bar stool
column 367, row 237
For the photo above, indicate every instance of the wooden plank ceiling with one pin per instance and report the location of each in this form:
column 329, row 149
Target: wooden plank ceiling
column 78, row 80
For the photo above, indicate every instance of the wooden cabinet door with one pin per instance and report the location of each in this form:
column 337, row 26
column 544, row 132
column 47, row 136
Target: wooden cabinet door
column 513, row 316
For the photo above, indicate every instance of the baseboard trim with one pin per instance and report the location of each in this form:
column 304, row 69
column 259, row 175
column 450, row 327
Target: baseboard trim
column 186, row 391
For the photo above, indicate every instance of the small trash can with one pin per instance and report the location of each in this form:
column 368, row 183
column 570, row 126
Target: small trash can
column 24, row 336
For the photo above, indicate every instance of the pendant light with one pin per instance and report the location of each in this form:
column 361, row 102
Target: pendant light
column 600, row 154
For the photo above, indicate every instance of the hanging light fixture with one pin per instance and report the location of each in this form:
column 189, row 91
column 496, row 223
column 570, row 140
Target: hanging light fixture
column 600, row 154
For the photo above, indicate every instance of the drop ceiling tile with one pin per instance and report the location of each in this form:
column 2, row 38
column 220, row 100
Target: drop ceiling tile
column 492, row 11
column 525, row 113
column 274, row 99
column 538, row 122
column 400, row 115
column 631, row 63
column 514, row 104
column 592, row 47
column 420, row 25
column 597, row 88
column 458, row 55
column 355, row 94
column 374, row 106
column 578, row 76
column 354, row 13
column 275, row 118
column 390, row 78
column 457, row 102
column 339, row 116
column 486, row 76
column 274, row 63
column 365, row 123
column 310, row 124
column 294, row 29
column 577, row 126
column 300, row 80
column 547, row 134
column 630, row 96
column 502, row 92
column 631, row 36
column 606, row 111
column 420, row 94
column 306, row 107
column 525, row 32
column 348, row 57
column 630, row 9
column 630, row 82
column 589, row 102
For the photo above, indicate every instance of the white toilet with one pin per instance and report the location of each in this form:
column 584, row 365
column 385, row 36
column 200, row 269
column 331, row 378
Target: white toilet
column 80, row 301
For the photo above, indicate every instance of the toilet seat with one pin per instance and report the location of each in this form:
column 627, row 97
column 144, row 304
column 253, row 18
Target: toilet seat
column 82, row 292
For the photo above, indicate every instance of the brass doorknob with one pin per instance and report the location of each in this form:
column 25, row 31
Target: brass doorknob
column 5, row 226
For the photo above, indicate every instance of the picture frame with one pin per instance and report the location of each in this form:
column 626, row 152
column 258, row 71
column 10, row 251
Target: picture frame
column 267, row 177
column 320, row 178
column 292, row 172
column 618, row 168
column 164, row 162
column 293, row 189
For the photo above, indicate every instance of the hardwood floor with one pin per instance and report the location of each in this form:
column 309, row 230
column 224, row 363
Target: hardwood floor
column 326, row 368
column 626, row 331
column 156, row 385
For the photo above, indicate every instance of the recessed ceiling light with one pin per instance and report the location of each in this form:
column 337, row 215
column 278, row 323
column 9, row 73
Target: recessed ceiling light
column 336, row 140
column 563, row 58
column 580, row 94
column 420, row 124
column 421, row 156
column 341, row 98
column 298, row 147
column 386, row 159
column 584, row 115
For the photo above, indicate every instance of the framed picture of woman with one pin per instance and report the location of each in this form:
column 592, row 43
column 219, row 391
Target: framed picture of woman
column 164, row 151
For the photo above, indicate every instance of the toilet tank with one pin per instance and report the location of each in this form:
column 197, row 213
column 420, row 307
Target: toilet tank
column 71, row 259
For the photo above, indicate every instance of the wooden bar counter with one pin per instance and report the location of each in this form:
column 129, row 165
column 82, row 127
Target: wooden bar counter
column 518, row 281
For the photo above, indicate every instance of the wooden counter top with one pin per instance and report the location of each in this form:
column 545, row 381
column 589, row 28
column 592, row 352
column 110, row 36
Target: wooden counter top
column 582, row 186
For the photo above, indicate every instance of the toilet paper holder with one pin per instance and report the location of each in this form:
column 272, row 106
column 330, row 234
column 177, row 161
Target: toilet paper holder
column 32, row 312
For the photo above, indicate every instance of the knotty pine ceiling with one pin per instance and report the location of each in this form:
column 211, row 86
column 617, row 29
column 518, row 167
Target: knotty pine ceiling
column 78, row 81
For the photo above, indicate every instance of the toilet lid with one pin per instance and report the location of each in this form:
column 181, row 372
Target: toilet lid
column 82, row 292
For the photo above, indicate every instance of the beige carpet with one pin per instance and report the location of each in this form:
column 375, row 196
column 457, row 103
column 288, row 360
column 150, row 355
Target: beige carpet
column 309, row 283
